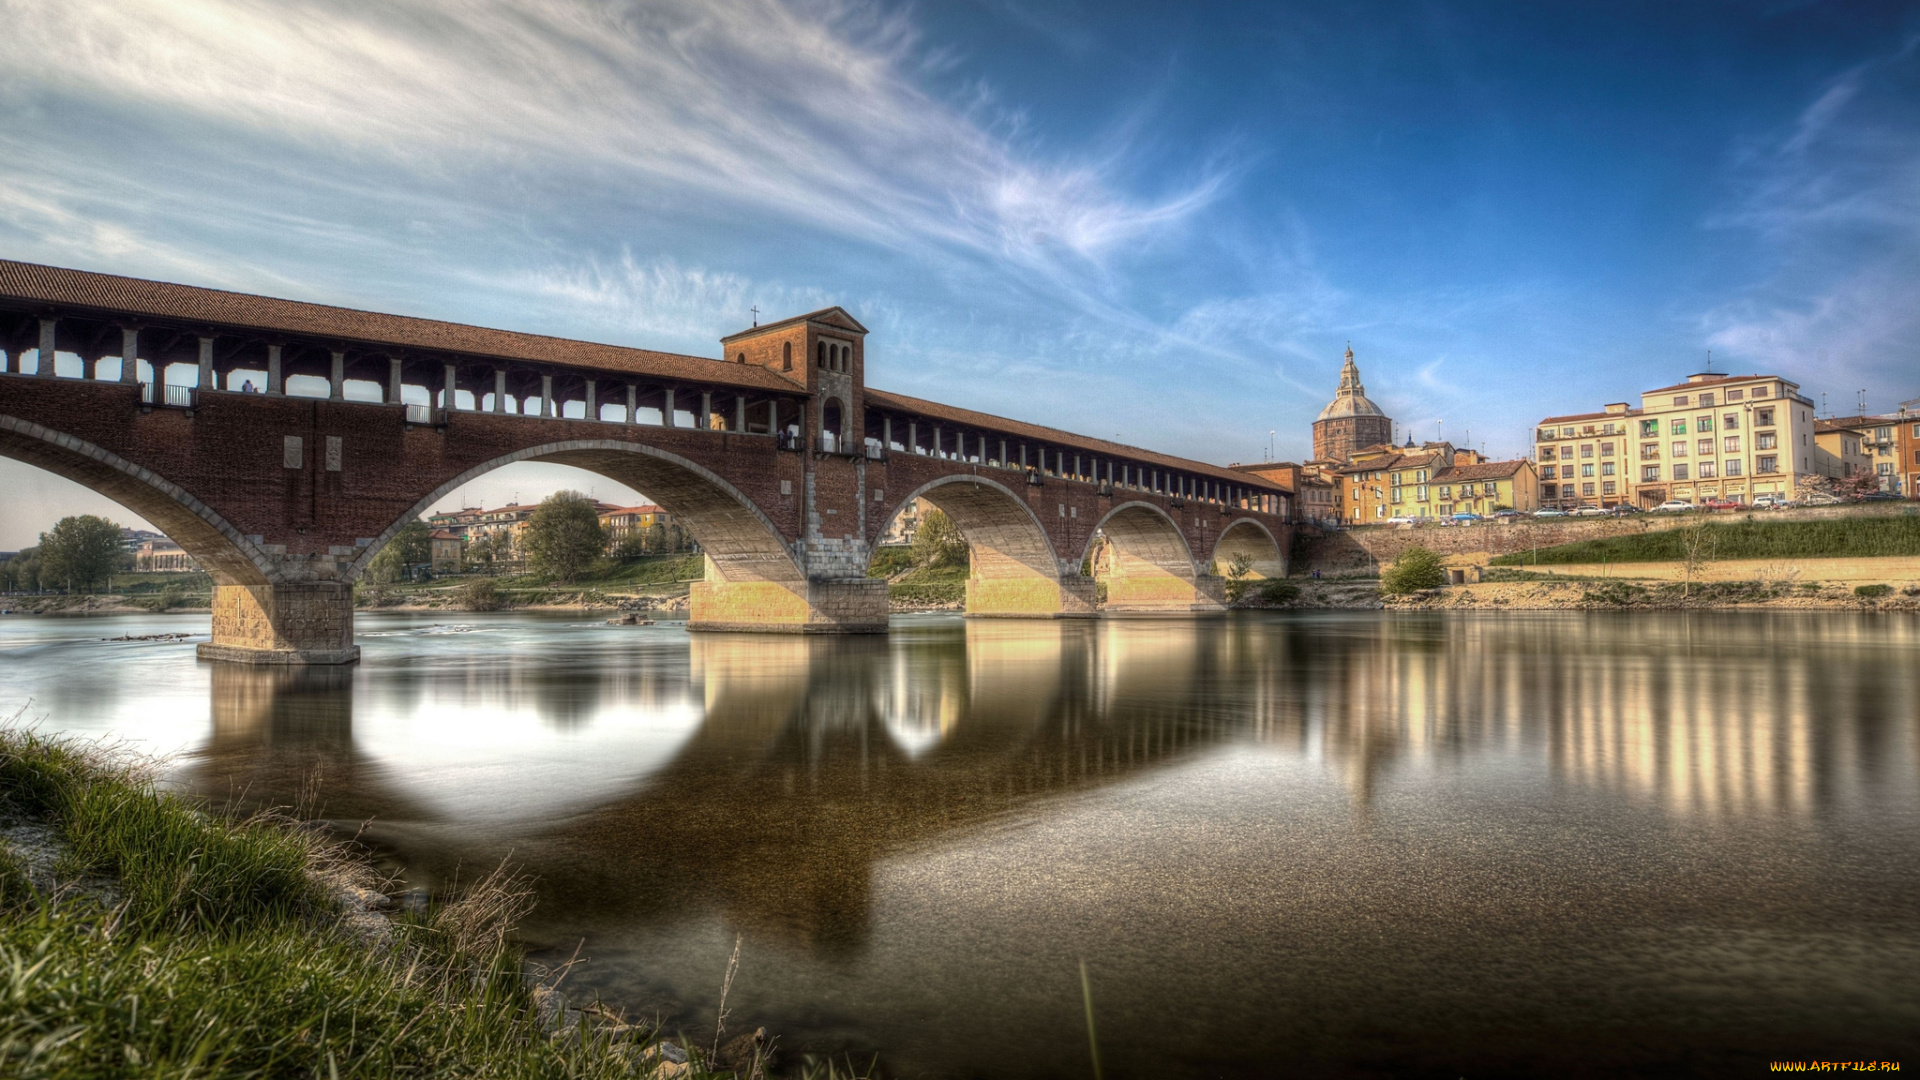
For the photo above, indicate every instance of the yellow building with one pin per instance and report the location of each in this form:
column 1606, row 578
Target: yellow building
column 1711, row 437
column 1433, row 483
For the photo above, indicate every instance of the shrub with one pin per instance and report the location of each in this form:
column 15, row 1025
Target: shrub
column 480, row 595
column 937, row 541
column 1871, row 591
column 1415, row 569
column 1275, row 591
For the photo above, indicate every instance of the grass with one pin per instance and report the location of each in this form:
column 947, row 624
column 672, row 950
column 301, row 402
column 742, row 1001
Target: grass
column 220, row 951
column 1837, row 538
column 931, row 585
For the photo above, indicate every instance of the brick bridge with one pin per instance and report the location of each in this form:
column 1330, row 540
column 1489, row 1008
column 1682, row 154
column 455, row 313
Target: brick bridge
column 232, row 430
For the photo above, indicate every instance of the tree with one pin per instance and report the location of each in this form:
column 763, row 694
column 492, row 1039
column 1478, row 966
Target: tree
column 22, row 572
column 656, row 537
column 1415, row 569
column 563, row 538
column 1238, row 568
column 937, row 542
column 631, row 545
column 411, row 546
column 1697, row 543
column 80, row 551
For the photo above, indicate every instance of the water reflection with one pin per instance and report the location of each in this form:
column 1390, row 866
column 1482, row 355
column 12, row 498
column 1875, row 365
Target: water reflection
column 1308, row 827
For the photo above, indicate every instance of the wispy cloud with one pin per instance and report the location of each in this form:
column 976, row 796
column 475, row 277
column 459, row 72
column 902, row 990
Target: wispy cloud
column 1835, row 202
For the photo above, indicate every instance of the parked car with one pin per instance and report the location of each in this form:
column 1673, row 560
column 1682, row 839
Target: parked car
column 1588, row 511
column 1819, row 498
column 1771, row 502
column 1549, row 512
column 1674, row 506
column 1720, row 504
column 1401, row 519
column 1624, row 509
column 1466, row 518
column 1506, row 515
column 1879, row 496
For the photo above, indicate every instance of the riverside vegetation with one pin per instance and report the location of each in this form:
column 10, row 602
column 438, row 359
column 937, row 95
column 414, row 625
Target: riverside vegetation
column 1835, row 538
column 144, row 934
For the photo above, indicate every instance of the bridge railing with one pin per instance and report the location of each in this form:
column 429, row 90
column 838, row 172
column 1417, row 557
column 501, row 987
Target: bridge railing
column 168, row 396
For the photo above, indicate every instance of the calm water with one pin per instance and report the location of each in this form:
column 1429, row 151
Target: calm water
column 1348, row 844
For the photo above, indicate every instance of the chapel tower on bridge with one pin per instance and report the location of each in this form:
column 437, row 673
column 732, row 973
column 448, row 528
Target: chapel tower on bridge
column 1350, row 422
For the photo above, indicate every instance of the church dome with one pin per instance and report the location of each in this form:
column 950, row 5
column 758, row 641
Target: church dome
column 1351, row 399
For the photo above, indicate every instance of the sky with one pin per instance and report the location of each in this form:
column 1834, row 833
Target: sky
column 1162, row 223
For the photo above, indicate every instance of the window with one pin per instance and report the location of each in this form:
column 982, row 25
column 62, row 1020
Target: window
column 1547, row 473
column 1586, row 489
column 1703, row 423
column 1586, row 470
column 1586, row 450
column 1706, row 401
column 1736, row 395
column 1730, row 468
column 1766, row 463
column 1546, row 453
column 1730, row 422
column 1420, row 477
column 1649, row 429
column 1763, row 417
column 1759, row 391
column 1649, row 473
column 1420, row 494
column 1397, row 478
column 1882, row 434
column 1679, row 425
column 1396, row 495
column 1549, row 491
column 1566, row 433
column 1606, row 468
column 1607, row 488
column 1885, row 468
column 1916, row 431
column 1680, row 402
column 1703, row 447
column 1606, row 449
column 1446, row 491
column 1491, row 487
column 1730, row 444
column 1650, row 451
column 1706, row 470
column 1543, row 434
column 1679, row 449
column 820, row 355
column 1680, row 471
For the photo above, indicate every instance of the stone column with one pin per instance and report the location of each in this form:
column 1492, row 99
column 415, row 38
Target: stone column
column 47, row 346
column 666, row 408
column 886, row 433
column 500, row 390
column 393, row 380
column 773, row 418
column 546, row 395
column 706, row 411
column 913, row 436
column 453, row 388
column 633, row 403
column 275, row 386
column 287, row 623
column 593, row 402
column 208, row 380
column 337, row 379
column 129, row 354
column 739, row 412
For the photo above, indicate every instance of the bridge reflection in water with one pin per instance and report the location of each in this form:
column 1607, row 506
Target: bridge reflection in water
column 668, row 792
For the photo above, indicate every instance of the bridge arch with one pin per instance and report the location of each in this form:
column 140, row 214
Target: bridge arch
column 228, row 556
column 1266, row 558
column 1013, row 571
column 741, row 543
column 1153, row 566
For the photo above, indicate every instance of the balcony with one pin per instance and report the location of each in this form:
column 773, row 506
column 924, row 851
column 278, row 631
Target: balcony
column 170, row 396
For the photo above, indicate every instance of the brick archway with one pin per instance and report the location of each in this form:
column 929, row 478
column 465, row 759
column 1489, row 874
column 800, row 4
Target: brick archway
column 1153, row 566
column 214, row 543
column 1250, row 538
column 1013, row 571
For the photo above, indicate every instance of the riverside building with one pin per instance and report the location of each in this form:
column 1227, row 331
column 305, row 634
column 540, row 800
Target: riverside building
column 1712, row 437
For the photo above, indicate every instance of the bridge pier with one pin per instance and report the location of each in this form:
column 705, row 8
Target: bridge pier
column 1032, row 598
column 305, row 622
column 825, row 606
column 1163, row 594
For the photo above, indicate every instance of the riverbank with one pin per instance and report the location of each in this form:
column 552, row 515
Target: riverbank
column 151, row 935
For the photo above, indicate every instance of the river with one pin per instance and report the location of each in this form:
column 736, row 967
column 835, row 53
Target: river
column 1345, row 844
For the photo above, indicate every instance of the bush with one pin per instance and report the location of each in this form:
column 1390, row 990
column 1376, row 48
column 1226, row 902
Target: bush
column 937, row 542
column 480, row 595
column 1833, row 538
column 1275, row 591
column 1415, row 569
column 889, row 561
column 1871, row 591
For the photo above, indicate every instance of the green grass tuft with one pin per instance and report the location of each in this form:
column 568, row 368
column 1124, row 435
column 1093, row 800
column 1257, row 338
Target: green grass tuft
column 1836, row 538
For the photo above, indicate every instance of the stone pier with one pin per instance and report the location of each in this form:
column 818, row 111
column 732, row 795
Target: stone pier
column 308, row 622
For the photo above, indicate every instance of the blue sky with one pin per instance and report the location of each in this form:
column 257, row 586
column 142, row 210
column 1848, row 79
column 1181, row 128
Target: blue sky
column 1161, row 222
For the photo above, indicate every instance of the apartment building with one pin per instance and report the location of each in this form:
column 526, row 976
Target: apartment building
column 1433, row 482
column 1711, row 437
column 1887, row 446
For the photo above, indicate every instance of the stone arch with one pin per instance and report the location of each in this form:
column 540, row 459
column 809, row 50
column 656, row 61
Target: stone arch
column 1153, row 568
column 1254, row 540
column 1013, row 570
column 835, row 420
column 742, row 544
column 227, row 555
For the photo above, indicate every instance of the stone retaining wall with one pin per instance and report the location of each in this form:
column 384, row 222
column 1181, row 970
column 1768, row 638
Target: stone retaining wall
column 1361, row 549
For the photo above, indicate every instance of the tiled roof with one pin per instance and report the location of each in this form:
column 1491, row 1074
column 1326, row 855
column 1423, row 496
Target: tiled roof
column 1591, row 415
column 1000, row 424
column 1397, row 461
column 1716, row 380
column 33, row 285
column 1486, row 470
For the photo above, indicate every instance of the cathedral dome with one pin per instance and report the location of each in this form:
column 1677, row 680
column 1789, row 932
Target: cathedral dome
column 1351, row 399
